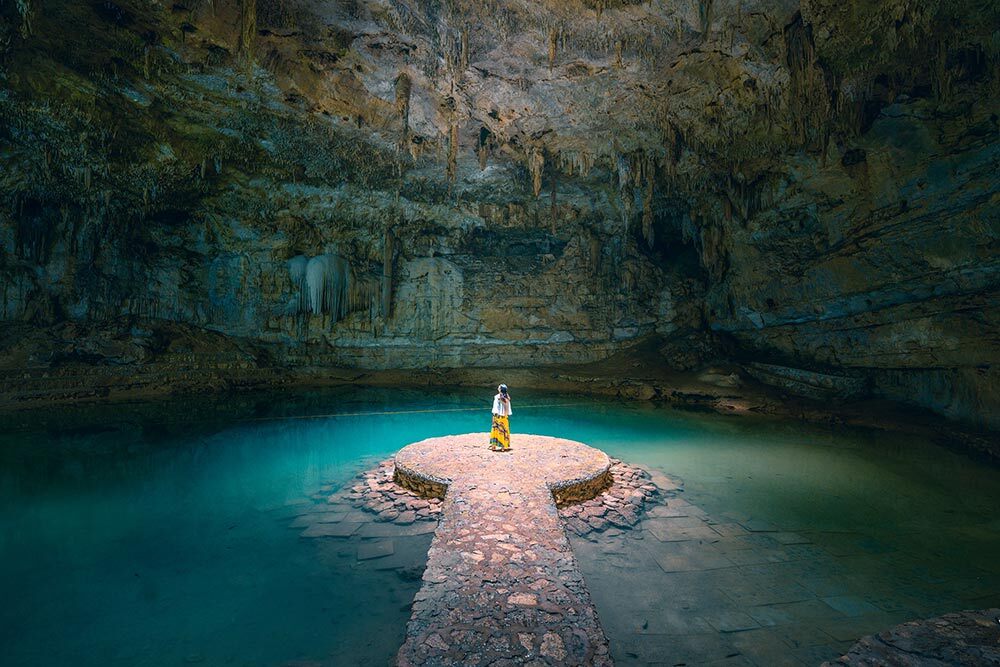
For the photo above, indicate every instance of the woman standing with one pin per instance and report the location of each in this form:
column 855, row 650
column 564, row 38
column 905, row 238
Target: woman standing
column 500, row 433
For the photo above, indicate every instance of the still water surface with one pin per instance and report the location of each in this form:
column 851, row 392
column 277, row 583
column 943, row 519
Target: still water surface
column 160, row 534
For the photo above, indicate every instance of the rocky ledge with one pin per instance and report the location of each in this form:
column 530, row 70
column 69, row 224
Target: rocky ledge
column 377, row 493
column 968, row 638
column 622, row 504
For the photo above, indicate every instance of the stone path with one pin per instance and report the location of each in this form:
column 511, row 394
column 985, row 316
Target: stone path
column 502, row 585
column 741, row 591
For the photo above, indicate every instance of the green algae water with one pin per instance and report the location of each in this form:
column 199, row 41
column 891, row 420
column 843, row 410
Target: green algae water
column 164, row 534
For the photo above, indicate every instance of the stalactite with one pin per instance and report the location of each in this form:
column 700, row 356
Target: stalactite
column 367, row 295
column 24, row 9
column 991, row 50
column 647, row 203
column 297, row 274
column 736, row 24
column 594, row 253
column 449, row 61
column 536, row 163
column 388, row 250
column 619, row 48
column 248, row 28
column 575, row 162
column 32, row 231
column 404, row 88
column 705, row 15
column 47, row 162
column 553, row 43
column 673, row 148
column 464, row 52
column 808, row 100
column 712, row 249
column 689, row 228
column 483, row 146
column 624, row 169
column 323, row 284
column 941, row 81
column 452, row 166
column 553, row 203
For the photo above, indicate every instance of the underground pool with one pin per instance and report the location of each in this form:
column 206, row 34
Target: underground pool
column 185, row 532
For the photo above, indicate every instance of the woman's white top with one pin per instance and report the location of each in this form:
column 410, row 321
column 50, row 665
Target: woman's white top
column 501, row 408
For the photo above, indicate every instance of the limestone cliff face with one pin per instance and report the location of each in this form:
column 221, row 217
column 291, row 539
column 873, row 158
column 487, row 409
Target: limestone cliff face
column 876, row 257
column 884, row 265
column 388, row 183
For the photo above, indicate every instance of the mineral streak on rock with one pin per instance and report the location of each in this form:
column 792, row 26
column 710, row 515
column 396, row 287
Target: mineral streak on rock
column 501, row 582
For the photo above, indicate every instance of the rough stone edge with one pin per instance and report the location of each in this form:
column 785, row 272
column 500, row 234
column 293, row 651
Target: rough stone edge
column 630, row 493
column 375, row 491
column 565, row 492
column 582, row 489
column 634, row 492
column 426, row 486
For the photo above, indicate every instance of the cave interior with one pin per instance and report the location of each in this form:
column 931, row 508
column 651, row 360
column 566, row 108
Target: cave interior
column 784, row 209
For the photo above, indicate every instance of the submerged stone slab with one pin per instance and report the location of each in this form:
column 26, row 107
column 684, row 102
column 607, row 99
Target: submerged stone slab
column 502, row 585
column 379, row 549
column 342, row 529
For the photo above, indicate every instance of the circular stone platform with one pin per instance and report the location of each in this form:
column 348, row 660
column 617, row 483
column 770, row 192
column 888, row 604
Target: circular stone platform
column 571, row 470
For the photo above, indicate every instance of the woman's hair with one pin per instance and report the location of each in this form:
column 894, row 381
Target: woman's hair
column 503, row 389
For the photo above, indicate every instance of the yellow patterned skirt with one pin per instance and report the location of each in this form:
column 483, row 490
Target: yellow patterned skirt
column 500, row 433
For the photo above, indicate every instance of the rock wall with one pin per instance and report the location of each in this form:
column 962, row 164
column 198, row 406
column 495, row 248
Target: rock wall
column 482, row 294
column 878, row 258
column 168, row 175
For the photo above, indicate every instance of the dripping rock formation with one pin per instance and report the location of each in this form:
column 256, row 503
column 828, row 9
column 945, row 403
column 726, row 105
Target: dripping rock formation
column 805, row 188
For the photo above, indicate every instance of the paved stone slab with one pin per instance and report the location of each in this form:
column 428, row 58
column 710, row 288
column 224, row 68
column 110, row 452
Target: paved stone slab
column 342, row 529
column 502, row 585
column 378, row 549
column 307, row 520
column 395, row 528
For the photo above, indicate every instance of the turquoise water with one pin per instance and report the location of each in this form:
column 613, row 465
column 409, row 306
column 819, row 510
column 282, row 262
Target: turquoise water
column 160, row 534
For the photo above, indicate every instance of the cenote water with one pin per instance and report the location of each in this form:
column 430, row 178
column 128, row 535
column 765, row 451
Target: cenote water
column 163, row 534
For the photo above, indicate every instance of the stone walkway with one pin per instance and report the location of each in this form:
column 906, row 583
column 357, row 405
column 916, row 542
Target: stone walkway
column 741, row 591
column 502, row 585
